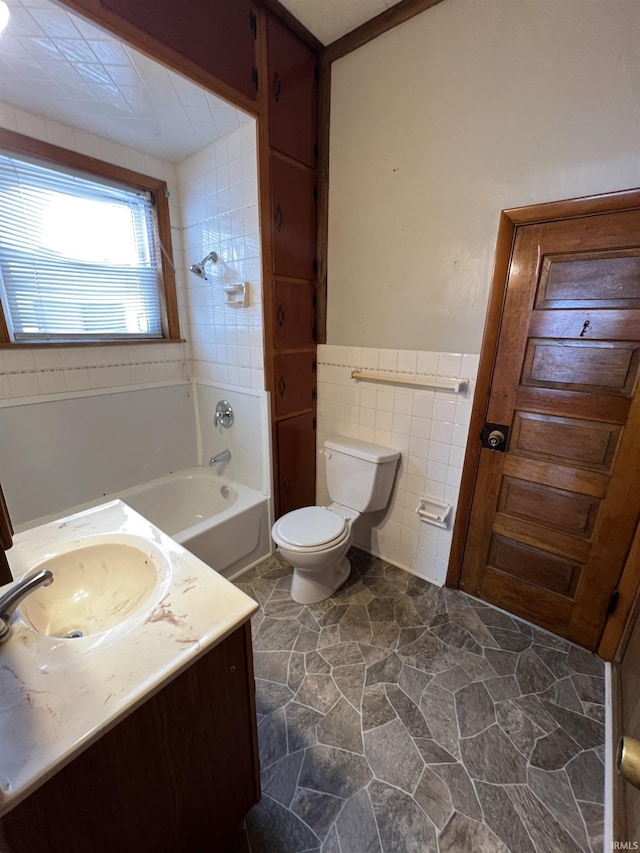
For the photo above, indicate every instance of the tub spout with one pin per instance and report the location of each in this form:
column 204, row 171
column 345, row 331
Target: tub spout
column 11, row 599
column 223, row 456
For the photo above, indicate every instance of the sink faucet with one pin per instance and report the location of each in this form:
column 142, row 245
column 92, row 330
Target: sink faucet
column 223, row 456
column 11, row 599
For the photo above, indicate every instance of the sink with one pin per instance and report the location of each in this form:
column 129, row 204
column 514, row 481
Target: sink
column 98, row 586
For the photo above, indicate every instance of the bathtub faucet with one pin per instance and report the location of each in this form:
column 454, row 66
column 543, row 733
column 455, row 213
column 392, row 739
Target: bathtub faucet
column 223, row 456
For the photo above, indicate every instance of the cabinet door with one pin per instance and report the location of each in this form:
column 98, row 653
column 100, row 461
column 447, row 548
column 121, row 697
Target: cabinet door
column 297, row 452
column 294, row 219
column 217, row 35
column 295, row 314
column 295, row 382
column 293, row 94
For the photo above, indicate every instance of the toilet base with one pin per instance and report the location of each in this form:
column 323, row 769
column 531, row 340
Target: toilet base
column 310, row 587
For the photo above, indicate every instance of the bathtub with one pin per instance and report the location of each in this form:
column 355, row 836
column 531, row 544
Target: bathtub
column 224, row 523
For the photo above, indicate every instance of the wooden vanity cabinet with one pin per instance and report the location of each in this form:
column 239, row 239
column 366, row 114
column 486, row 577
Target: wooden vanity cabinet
column 178, row 774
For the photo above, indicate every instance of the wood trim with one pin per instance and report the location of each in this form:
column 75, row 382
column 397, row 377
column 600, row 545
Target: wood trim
column 22, row 144
column 618, row 627
column 619, row 804
column 493, row 319
column 382, row 23
column 263, row 154
column 284, row 15
column 573, row 208
column 509, row 221
column 324, row 125
column 26, row 145
column 121, row 29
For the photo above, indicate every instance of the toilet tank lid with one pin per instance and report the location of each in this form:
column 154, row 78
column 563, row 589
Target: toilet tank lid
column 361, row 449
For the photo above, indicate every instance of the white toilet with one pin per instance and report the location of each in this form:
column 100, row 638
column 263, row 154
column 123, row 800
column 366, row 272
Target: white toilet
column 315, row 539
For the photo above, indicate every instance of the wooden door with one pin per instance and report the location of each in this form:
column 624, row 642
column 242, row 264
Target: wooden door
column 554, row 508
column 625, row 702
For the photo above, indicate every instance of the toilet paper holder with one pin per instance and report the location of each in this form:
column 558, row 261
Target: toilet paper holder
column 434, row 511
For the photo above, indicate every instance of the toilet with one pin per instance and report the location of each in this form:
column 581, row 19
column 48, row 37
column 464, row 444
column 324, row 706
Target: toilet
column 315, row 539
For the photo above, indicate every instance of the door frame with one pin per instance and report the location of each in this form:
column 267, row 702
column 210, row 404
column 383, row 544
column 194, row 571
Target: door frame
column 510, row 220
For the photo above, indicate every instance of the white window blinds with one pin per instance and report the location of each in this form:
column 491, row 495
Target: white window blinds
column 79, row 257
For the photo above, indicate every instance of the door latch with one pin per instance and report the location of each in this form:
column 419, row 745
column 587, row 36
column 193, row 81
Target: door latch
column 495, row 436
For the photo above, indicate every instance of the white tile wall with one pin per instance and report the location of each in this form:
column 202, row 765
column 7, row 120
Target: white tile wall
column 429, row 428
column 219, row 200
column 31, row 372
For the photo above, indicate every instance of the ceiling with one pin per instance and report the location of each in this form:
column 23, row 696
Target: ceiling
column 56, row 64
column 328, row 20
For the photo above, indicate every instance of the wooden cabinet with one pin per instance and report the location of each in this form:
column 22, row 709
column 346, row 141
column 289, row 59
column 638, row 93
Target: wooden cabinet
column 295, row 382
column 291, row 335
column 217, row 35
column 297, row 454
column 293, row 196
column 179, row 773
column 293, row 94
column 294, row 319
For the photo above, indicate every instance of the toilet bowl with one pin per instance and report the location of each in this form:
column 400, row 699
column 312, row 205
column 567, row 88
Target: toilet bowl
column 315, row 539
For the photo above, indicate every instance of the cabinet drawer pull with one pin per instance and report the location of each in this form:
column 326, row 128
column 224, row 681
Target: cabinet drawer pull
column 282, row 387
column 277, row 86
column 280, row 316
column 279, row 218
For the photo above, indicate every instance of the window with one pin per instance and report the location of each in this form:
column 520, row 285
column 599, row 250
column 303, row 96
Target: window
column 84, row 249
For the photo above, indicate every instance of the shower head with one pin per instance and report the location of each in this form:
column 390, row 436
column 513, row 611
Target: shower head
column 198, row 269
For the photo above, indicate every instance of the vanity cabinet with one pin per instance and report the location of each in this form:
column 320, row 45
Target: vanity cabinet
column 178, row 774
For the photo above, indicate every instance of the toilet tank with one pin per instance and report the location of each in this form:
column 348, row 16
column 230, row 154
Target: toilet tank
column 359, row 474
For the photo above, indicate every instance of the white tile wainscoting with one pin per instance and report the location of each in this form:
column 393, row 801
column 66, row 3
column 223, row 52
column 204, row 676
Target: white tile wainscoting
column 428, row 426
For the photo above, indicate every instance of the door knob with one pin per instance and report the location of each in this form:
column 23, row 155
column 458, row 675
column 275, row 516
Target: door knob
column 628, row 760
column 496, row 438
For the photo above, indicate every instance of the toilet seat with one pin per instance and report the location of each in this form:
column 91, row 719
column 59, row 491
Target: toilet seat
column 314, row 528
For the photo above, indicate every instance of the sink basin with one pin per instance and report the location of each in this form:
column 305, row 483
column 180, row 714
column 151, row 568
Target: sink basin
column 97, row 587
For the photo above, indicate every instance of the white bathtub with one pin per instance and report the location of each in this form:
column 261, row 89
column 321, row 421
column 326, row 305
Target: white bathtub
column 224, row 523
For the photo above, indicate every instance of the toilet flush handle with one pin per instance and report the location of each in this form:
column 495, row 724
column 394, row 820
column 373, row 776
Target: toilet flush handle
column 325, row 453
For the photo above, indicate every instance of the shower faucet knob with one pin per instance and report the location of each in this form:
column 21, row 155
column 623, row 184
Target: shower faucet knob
column 224, row 414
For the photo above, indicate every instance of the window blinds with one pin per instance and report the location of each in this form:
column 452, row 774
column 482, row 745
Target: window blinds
column 79, row 257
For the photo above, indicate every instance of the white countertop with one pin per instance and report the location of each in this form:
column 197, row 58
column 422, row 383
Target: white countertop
column 58, row 696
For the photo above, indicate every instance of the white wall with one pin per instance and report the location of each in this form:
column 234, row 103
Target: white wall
column 60, row 451
column 438, row 125
column 62, row 441
column 428, row 427
column 219, row 211
column 248, row 438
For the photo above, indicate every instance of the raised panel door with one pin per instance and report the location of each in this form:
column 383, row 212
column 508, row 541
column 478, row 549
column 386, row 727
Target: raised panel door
column 553, row 515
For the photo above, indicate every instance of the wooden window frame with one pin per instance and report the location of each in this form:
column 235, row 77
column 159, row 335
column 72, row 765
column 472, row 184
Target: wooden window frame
column 19, row 144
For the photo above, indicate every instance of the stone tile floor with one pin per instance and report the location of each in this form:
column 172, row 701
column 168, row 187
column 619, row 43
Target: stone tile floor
column 398, row 716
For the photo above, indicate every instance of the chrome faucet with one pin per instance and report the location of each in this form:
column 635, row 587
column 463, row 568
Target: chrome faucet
column 223, row 456
column 11, row 599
